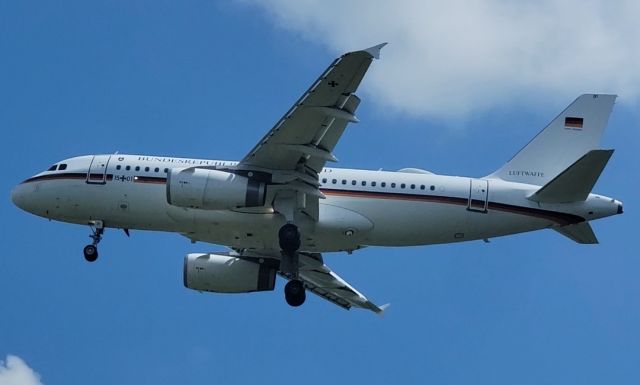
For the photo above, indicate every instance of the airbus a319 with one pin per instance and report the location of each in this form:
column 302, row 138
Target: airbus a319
column 280, row 207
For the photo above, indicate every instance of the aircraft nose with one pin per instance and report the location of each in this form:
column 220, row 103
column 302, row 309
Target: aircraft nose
column 18, row 197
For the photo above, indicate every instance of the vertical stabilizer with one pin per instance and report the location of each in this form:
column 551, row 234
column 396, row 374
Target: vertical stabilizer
column 576, row 131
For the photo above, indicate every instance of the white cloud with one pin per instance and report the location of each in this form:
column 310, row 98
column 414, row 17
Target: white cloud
column 454, row 58
column 14, row 371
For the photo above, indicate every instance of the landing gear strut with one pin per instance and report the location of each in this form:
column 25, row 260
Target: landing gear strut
column 91, row 251
column 289, row 237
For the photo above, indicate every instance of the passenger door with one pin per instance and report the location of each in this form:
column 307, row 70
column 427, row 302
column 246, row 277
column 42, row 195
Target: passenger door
column 97, row 173
column 478, row 195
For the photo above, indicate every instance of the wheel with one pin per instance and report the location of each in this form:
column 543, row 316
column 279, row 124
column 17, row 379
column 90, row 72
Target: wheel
column 289, row 238
column 294, row 293
column 90, row 253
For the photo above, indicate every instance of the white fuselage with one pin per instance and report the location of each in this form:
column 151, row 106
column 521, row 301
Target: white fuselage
column 361, row 207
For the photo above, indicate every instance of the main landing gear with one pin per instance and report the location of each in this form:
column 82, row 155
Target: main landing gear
column 289, row 237
column 91, row 251
column 294, row 293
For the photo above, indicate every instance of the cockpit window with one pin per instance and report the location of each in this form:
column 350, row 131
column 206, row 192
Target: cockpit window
column 53, row 168
column 63, row 166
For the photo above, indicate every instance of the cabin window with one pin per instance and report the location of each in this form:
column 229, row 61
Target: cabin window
column 128, row 168
column 403, row 185
column 166, row 170
column 432, row 187
column 344, row 181
column 118, row 167
column 53, row 168
column 393, row 185
column 137, row 168
column 364, row 183
column 324, row 180
column 422, row 187
column 156, row 169
column 353, row 182
column 413, row 187
column 146, row 169
column 334, row 181
column 373, row 184
column 383, row 184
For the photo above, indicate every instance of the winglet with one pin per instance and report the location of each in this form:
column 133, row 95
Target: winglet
column 375, row 50
column 382, row 309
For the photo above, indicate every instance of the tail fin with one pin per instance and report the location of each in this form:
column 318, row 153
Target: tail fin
column 576, row 131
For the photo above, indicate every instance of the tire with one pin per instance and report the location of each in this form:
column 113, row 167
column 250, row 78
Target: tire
column 289, row 238
column 294, row 293
column 90, row 253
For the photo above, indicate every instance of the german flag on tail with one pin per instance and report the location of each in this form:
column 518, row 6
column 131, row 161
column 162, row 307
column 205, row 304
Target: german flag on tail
column 572, row 123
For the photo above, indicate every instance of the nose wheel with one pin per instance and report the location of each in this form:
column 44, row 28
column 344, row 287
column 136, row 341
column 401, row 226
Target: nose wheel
column 289, row 237
column 91, row 251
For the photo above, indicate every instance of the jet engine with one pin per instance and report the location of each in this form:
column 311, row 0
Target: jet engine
column 212, row 189
column 225, row 273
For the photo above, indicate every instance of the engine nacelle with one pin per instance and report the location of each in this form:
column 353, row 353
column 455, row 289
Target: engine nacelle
column 223, row 273
column 212, row 189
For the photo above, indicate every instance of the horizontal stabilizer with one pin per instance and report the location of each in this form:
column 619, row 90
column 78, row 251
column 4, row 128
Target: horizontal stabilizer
column 576, row 182
column 579, row 232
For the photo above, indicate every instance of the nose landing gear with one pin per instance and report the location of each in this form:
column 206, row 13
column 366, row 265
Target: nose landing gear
column 91, row 251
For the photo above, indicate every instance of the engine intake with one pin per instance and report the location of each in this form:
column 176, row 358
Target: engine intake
column 212, row 189
column 224, row 273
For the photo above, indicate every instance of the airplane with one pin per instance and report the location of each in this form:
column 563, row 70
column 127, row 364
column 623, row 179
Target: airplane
column 280, row 207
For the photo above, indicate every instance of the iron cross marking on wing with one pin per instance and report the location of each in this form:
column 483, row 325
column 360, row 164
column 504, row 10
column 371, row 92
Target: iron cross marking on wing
column 333, row 83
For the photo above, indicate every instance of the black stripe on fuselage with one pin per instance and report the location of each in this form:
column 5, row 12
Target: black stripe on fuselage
column 150, row 179
column 558, row 217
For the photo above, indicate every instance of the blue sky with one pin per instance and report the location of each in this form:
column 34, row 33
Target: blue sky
column 208, row 79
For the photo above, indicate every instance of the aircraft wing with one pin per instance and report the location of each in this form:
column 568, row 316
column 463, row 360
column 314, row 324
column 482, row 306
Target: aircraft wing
column 319, row 279
column 303, row 139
